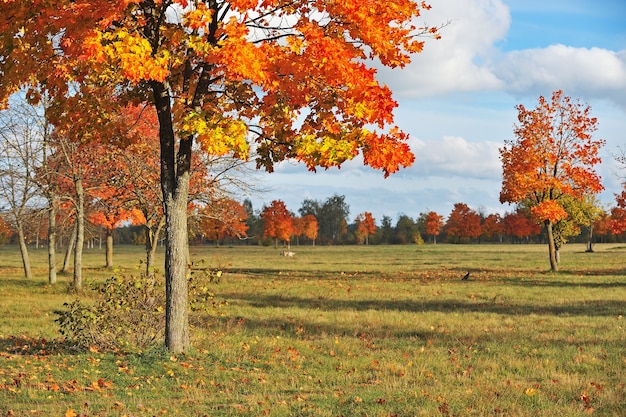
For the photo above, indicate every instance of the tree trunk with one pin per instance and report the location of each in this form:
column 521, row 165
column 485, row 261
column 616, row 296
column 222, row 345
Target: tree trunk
column 554, row 265
column 109, row 248
column 80, row 235
column 23, row 249
column 52, row 241
column 152, row 242
column 175, row 176
column 69, row 250
column 590, row 239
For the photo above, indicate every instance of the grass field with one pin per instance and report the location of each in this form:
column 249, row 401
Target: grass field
column 341, row 331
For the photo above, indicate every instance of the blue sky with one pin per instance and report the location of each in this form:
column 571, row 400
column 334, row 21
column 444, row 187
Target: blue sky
column 457, row 101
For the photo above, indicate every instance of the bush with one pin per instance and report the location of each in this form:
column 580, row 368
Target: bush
column 127, row 315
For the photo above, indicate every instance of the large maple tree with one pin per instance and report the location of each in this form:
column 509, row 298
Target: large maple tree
column 551, row 159
column 294, row 77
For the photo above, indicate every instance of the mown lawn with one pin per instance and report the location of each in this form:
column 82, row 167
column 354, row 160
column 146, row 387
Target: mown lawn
column 341, row 331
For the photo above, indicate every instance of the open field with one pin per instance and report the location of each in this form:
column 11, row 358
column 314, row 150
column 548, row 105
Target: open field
column 341, row 331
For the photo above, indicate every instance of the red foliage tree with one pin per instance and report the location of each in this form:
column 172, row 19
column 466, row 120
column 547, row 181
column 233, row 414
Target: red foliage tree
column 618, row 215
column 310, row 227
column 225, row 218
column 433, row 223
column 463, row 223
column 277, row 222
column 366, row 226
column 493, row 226
column 520, row 225
column 552, row 158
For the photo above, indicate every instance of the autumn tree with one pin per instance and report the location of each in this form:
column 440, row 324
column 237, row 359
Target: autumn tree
column 220, row 73
column 277, row 222
column 519, row 225
column 305, row 226
column 6, row 231
column 463, row 223
column 618, row 215
column 433, row 223
column 493, row 227
column 366, row 226
column 310, row 227
column 74, row 166
column 224, row 218
column 551, row 158
column 602, row 225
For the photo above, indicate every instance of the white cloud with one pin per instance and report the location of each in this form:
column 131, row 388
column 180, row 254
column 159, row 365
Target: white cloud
column 593, row 72
column 468, row 58
column 454, row 63
column 455, row 156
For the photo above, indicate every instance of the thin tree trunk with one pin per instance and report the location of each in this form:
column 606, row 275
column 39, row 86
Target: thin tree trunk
column 52, row 239
column 554, row 265
column 109, row 248
column 80, row 235
column 175, row 176
column 590, row 239
column 23, row 250
column 152, row 242
column 70, row 250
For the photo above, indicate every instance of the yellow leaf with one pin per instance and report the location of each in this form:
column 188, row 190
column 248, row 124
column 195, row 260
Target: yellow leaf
column 70, row 413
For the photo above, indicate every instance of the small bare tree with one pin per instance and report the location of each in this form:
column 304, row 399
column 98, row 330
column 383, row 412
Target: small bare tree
column 20, row 155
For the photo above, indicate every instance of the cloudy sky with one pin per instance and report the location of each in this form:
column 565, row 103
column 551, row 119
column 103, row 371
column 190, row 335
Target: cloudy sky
column 457, row 101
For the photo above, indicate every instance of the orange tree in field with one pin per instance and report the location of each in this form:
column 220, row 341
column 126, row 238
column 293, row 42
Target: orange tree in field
column 277, row 222
column 433, row 223
column 519, row 225
column 294, row 76
column 224, row 218
column 463, row 223
column 310, row 227
column 618, row 215
column 366, row 226
column 551, row 158
column 492, row 227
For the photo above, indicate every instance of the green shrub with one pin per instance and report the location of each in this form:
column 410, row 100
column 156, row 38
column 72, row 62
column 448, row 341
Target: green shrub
column 128, row 314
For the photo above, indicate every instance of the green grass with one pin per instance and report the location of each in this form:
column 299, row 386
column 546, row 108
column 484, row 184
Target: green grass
column 352, row 331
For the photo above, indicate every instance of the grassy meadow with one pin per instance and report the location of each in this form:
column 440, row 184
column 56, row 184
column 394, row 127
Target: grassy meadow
column 340, row 331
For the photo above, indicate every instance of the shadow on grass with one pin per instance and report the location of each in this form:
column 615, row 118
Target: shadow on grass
column 575, row 283
column 24, row 345
column 286, row 273
column 499, row 305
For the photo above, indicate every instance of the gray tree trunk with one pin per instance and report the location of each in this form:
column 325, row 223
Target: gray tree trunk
column 69, row 250
column 109, row 248
column 80, row 234
column 552, row 252
column 52, row 241
column 175, row 176
column 23, row 249
column 152, row 242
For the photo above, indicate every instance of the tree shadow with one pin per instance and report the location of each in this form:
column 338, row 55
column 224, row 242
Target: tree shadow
column 35, row 346
column 498, row 305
